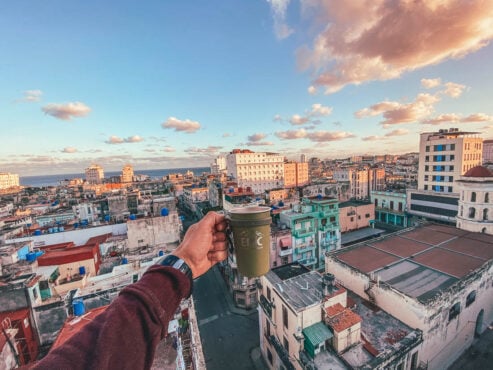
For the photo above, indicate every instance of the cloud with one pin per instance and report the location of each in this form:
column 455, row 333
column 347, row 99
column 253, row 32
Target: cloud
column 320, row 110
column 367, row 40
column 277, row 118
column 259, row 143
column 398, row 132
column 118, row 140
column 256, row 137
column 316, row 136
column 430, row 83
column 396, row 113
column 31, row 96
column 66, row 111
column 209, row 150
column 187, row 125
column 453, row 90
column 312, row 90
column 477, row 117
column 168, row 149
column 442, row 118
column 227, row 134
column 297, row 120
column 372, row 138
column 69, row 149
column 279, row 9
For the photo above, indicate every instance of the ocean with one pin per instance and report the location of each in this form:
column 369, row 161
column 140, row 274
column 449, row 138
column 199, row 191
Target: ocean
column 54, row 180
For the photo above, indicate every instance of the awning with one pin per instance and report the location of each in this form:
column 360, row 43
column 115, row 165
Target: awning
column 317, row 333
column 286, row 242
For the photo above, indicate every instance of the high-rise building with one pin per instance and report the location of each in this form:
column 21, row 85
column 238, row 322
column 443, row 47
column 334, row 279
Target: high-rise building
column 444, row 156
column 219, row 165
column 303, row 158
column 256, row 170
column 488, row 151
column 127, row 173
column 94, row 174
column 8, row 180
column 295, row 174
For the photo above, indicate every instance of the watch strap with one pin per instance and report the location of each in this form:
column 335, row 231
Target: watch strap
column 180, row 265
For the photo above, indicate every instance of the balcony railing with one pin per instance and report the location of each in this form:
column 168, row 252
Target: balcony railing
column 285, row 252
column 308, row 261
column 303, row 232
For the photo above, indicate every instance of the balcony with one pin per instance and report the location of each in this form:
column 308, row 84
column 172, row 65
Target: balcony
column 281, row 352
column 303, row 232
column 308, row 261
column 285, row 252
column 266, row 306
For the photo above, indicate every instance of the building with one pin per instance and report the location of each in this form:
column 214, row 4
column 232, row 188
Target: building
column 488, row 151
column 358, row 179
column 94, row 174
column 256, row 170
column 444, row 156
column 309, row 321
column 127, row 174
column 295, row 174
column 8, row 180
column 435, row 278
column 154, row 232
column 442, row 207
column 354, row 215
column 390, row 209
column 476, row 195
column 219, row 165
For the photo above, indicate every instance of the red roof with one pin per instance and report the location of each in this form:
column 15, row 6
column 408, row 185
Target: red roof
column 74, row 324
column 479, row 171
column 69, row 255
column 15, row 315
column 343, row 320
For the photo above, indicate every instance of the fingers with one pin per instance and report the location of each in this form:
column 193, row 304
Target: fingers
column 215, row 220
column 217, row 255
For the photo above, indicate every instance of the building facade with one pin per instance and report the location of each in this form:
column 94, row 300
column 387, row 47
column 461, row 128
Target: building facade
column 8, row 180
column 259, row 171
column 127, row 173
column 94, row 174
column 295, row 174
column 390, row 208
column 354, row 215
column 444, row 156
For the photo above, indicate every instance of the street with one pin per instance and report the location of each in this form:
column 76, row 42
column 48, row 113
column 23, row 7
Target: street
column 228, row 336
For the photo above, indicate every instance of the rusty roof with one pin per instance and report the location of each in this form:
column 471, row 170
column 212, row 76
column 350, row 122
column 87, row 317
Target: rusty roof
column 421, row 262
column 344, row 320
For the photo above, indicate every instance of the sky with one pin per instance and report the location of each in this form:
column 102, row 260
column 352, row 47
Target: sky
column 169, row 84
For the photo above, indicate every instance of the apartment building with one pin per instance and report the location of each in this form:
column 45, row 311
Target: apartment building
column 435, row 278
column 358, row 179
column 256, row 170
column 295, row 174
column 127, row 173
column 354, row 215
column 444, row 156
column 8, row 180
column 94, row 174
column 390, row 208
column 219, row 165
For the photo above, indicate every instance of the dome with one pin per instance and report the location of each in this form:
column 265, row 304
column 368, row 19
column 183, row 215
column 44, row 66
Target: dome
column 478, row 171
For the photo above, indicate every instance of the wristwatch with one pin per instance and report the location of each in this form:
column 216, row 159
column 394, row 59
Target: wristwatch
column 177, row 263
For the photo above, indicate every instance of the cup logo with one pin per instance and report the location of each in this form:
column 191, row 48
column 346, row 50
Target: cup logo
column 259, row 239
column 246, row 242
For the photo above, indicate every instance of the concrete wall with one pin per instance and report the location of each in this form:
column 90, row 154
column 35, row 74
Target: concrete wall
column 355, row 217
column 155, row 231
column 78, row 236
column 443, row 340
column 13, row 300
column 49, row 320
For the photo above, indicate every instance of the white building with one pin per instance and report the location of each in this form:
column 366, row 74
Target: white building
column 94, row 174
column 435, row 278
column 476, row 196
column 219, row 165
column 444, row 156
column 8, row 180
column 258, row 171
column 358, row 179
column 127, row 173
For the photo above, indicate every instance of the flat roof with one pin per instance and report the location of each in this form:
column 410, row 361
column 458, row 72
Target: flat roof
column 300, row 290
column 354, row 236
column 420, row 262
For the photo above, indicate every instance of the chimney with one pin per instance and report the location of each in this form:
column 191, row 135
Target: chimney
column 328, row 284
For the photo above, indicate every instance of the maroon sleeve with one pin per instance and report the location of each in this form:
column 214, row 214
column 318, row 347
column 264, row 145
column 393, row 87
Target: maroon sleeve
column 125, row 336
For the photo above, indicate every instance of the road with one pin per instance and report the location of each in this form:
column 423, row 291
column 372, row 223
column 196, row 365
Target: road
column 228, row 337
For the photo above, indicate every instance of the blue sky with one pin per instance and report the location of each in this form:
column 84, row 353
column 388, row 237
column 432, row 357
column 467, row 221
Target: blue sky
column 167, row 84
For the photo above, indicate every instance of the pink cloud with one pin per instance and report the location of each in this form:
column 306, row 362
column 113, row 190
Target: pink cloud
column 186, row 125
column 369, row 40
column 66, row 111
column 442, row 118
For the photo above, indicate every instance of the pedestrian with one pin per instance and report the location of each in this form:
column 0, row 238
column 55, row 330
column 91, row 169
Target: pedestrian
column 126, row 334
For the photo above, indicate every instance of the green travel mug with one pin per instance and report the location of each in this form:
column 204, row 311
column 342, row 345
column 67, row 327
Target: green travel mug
column 251, row 235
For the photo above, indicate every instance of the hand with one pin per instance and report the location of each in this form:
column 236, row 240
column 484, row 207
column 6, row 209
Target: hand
column 204, row 244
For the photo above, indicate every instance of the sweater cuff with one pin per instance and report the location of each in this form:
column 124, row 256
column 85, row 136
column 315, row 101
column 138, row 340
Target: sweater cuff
column 157, row 277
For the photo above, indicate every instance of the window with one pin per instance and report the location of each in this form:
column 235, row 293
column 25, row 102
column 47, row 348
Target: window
column 487, row 198
column 472, row 212
column 414, row 359
column 268, row 294
column 135, row 277
column 286, row 344
column 451, row 168
column 391, row 204
column 485, row 214
column 473, row 196
column 427, row 148
column 35, row 293
column 285, row 316
column 367, row 215
column 471, row 297
column 450, row 188
column 376, row 202
column 269, row 356
column 427, row 158
column 427, row 168
column 400, row 206
column 454, row 311
column 426, row 187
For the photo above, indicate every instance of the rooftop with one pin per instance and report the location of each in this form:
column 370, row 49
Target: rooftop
column 478, row 171
column 420, row 262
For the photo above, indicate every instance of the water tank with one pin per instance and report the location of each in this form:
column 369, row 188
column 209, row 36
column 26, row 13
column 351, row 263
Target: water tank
column 231, row 190
column 124, row 260
column 82, row 270
column 31, row 257
column 76, row 225
column 281, row 203
column 38, row 253
column 37, row 232
column 78, row 306
column 319, row 196
column 61, row 228
column 50, row 230
column 161, row 253
column 164, row 212
column 132, row 217
column 107, row 218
